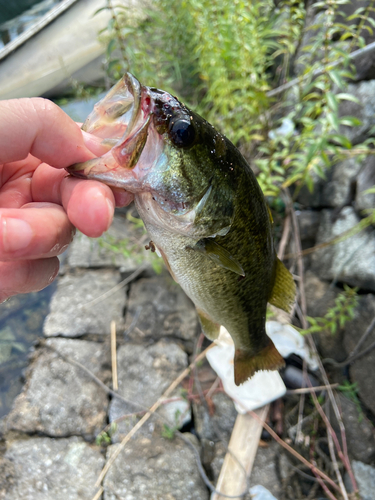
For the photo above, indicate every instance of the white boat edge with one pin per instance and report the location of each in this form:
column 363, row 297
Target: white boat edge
column 35, row 28
column 65, row 49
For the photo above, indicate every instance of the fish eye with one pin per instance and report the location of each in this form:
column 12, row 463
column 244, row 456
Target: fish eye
column 182, row 132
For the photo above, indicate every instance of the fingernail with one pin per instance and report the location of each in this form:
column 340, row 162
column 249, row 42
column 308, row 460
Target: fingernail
column 54, row 274
column 17, row 234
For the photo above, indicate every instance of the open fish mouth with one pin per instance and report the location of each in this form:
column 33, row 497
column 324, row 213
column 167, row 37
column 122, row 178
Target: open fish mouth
column 121, row 119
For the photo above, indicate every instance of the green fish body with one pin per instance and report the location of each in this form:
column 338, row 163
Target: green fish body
column 203, row 209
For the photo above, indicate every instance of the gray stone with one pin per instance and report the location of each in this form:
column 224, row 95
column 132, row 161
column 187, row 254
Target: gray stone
column 59, row 398
column 366, row 180
column 218, row 426
column 264, row 471
column 362, row 370
column 308, row 222
column 144, row 373
column 364, row 110
column 50, row 469
column 212, row 457
column 313, row 199
column 72, row 315
column 121, row 246
column 155, row 469
column 358, row 429
column 320, row 296
column 158, row 307
column 338, row 189
column 365, row 476
column 351, row 261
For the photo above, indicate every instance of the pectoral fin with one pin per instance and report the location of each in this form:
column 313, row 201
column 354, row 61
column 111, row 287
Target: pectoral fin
column 209, row 327
column 284, row 290
column 218, row 254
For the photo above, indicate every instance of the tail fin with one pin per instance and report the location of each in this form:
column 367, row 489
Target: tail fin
column 284, row 290
column 245, row 365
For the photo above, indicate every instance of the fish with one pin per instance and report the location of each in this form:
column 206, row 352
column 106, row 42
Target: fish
column 203, row 209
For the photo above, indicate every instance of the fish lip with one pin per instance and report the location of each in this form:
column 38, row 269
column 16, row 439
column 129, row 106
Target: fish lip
column 122, row 105
column 130, row 103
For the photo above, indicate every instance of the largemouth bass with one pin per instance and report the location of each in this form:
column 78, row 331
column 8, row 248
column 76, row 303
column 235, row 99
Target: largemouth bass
column 202, row 207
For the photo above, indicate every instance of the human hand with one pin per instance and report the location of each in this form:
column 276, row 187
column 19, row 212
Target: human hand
column 40, row 206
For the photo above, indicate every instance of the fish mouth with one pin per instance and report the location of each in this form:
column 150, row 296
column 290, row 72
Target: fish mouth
column 122, row 119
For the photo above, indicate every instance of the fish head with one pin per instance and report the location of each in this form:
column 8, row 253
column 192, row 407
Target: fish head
column 161, row 151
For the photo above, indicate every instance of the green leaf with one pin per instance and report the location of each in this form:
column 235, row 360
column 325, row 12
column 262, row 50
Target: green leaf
column 342, row 96
column 335, row 76
column 342, row 140
column 111, row 46
column 333, row 120
column 332, row 101
column 350, row 121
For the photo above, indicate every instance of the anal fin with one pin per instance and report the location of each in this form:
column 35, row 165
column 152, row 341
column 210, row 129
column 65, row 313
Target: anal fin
column 209, row 327
column 284, row 290
column 246, row 364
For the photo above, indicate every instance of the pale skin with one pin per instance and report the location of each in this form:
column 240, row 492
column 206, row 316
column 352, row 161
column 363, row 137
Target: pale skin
column 40, row 206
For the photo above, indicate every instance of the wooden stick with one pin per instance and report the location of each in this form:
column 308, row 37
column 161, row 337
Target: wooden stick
column 98, row 493
column 243, row 445
column 114, row 356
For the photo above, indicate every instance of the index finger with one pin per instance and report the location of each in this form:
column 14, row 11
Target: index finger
column 40, row 127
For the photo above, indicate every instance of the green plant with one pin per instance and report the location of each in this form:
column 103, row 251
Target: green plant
column 223, row 58
column 104, row 438
column 351, row 392
column 169, row 431
column 336, row 316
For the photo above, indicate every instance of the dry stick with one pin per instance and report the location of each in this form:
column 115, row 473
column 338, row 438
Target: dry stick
column 323, row 485
column 369, row 48
column 98, row 493
column 329, row 426
column 114, row 289
column 361, row 226
column 313, row 461
column 297, row 242
column 307, row 390
column 114, row 356
column 94, row 377
column 299, row 433
column 355, row 354
column 284, row 238
column 150, row 412
column 296, row 454
column 331, row 434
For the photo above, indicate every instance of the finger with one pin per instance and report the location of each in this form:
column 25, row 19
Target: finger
column 48, row 185
column 89, row 204
column 34, row 231
column 26, row 276
column 39, row 127
column 95, row 144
